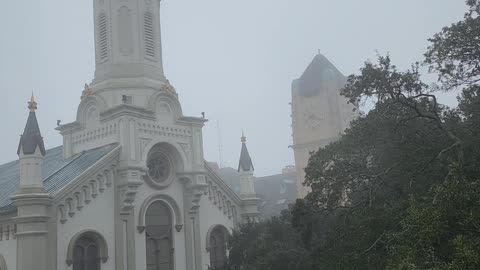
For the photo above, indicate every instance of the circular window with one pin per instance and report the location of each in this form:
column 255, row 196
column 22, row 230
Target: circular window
column 158, row 167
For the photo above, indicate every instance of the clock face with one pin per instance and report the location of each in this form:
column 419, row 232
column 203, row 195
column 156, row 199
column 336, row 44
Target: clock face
column 311, row 114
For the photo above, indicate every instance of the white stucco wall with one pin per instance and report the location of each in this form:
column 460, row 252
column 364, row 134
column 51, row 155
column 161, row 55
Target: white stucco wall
column 211, row 215
column 8, row 249
column 98, row 215
column 175, row 191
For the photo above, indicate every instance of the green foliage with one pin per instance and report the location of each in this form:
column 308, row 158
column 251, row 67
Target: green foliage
column 455, row 51
column 400, row 190
column 272, row 245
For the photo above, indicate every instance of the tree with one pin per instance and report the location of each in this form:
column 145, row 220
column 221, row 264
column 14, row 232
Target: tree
column 270, row 245
column 400, row 190
column 455, row 51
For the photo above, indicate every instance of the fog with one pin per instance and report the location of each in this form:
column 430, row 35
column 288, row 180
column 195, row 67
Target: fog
column 233, row 60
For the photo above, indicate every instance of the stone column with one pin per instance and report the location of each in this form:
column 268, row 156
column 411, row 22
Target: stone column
column 32, row 231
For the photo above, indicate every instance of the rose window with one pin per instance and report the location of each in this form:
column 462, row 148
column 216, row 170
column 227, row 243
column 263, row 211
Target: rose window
column 158, row 167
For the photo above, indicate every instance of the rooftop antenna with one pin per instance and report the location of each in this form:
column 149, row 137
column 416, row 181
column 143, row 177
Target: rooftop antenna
column 220, row 146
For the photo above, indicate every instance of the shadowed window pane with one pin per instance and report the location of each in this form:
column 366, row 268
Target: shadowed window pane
column 86, row 254
column 78, row 256
column 218, row 248
column 92, row 258
column 158, row 230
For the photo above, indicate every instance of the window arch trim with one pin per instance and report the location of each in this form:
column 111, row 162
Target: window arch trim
column 102, row 245
column 170, row 202
column 209, row 234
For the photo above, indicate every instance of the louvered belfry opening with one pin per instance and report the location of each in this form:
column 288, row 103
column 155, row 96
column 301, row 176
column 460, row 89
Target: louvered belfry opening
column 149, row 35
column 102, row 37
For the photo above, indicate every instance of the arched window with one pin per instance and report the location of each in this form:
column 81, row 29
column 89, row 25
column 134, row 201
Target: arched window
column 86, row 255
column 87, row 250
column 218, row 248
column 158, row 234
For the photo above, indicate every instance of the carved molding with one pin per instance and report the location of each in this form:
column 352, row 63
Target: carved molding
column 195, row 185
column 85, row 193
column 219, row 199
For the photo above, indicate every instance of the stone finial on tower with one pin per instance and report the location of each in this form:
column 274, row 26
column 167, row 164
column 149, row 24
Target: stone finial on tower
column 247, row 186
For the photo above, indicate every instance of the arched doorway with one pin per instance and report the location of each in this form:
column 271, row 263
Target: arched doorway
column 158, row 237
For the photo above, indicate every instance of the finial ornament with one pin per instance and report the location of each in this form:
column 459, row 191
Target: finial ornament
column 243, row 139
column 168, row 87
column 32, row 105
column 87, row 91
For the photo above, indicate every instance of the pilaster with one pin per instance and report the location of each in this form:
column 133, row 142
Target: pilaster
column 32, row 230
column 195, row 184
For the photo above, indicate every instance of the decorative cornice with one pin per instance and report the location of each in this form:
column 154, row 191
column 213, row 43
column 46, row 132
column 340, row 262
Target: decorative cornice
column 87, row 174
column 195, row 185
column 126, row 109
column 223, row 186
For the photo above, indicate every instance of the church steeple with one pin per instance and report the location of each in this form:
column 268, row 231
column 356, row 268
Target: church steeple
column 128, row 40
column 31, row 199
column 31, row 139
column 245, row 164
column 247, row 185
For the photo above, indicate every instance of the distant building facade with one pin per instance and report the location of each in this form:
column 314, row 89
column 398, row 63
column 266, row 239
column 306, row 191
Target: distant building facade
column 319, row 113
column 276, row 192
column 129, row 188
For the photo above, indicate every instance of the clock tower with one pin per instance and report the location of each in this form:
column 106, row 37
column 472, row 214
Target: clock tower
column 319, row 113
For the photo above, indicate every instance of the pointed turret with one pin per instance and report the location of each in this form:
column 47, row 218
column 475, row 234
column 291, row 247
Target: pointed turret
column 31, row 199
column 31, row 139
column 245, row 164
column 320, row 75
column 247, row 186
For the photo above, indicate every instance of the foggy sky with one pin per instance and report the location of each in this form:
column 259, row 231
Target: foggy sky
column 234, row 60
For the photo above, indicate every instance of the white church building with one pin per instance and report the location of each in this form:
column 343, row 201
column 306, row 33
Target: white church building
column 129, row 188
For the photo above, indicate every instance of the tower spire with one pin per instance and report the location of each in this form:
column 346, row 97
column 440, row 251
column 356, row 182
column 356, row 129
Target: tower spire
column 245, row 164
column 127, row 41
column 31, row 139
column 247, row 185
column 31, row 199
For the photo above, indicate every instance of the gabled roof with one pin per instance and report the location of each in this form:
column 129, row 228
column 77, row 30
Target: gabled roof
column 56, row 171
column 320, row 71
column 245, row 162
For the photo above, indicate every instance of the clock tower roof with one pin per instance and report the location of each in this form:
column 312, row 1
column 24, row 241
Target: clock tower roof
column 320, row 72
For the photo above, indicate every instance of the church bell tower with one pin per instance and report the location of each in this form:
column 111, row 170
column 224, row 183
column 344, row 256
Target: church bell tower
column 319, row 113
column 127, row 41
